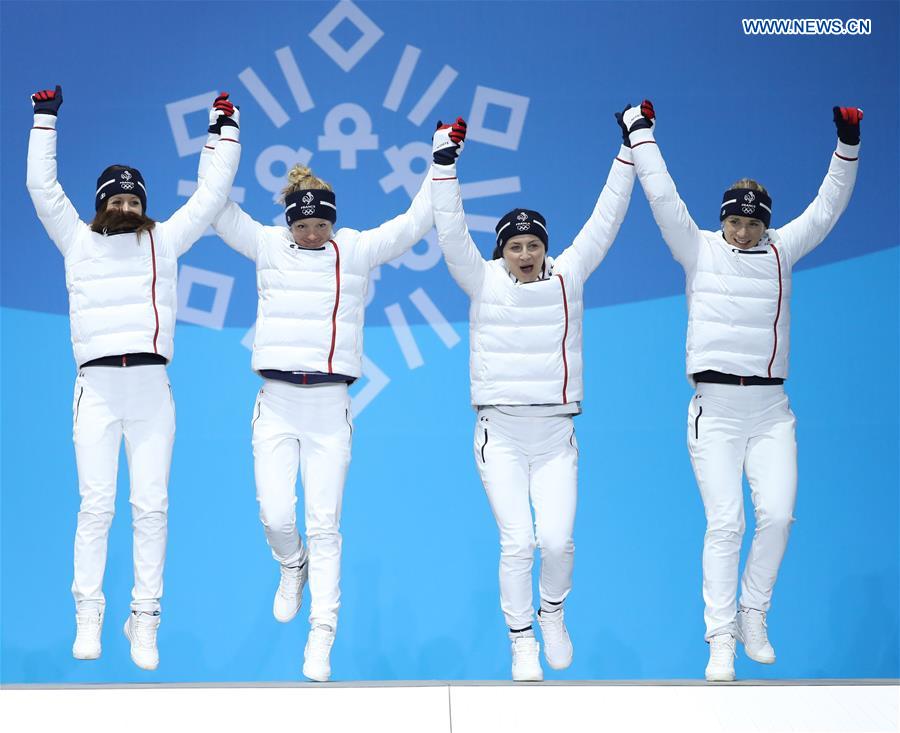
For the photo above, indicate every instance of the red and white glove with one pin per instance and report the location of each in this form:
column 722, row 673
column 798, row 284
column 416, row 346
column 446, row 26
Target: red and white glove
column 223, row 113
column 639, row 118
column 47, row 102
column 448, row 141
column 847, row 120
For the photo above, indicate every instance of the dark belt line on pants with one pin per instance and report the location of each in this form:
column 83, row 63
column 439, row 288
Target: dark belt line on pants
column 712, row 377
column 126, row 360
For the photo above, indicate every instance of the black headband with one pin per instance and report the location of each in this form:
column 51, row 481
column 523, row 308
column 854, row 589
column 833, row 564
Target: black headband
column 516, row 222
column 747, row 202
column 313, row 203
column 120, row 179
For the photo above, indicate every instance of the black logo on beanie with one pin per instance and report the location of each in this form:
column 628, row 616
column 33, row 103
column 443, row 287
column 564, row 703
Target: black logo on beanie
column 120, row 179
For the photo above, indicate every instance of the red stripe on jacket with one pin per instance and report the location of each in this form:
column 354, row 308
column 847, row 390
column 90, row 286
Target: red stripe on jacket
column 337, row 300
column 778, row 310
column 565, row 336
column 153, row 290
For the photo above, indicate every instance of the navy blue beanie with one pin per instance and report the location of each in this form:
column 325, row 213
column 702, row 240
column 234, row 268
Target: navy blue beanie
column 120, row 179
column 516, row 222
column 747, row 202
column 313, row 203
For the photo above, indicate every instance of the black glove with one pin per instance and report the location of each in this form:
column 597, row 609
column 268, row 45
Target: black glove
column 618, row 116
column 47, row 102
column 847, row 120
column 448, row 141
column 222, row 114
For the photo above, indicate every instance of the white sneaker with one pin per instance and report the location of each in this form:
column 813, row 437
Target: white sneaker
column 526, row 659
column 89, row 624
column 721, row 659
column 140, row 629
column 751, row 631
column 289, row 595
column 316, row 655
column 557, row 644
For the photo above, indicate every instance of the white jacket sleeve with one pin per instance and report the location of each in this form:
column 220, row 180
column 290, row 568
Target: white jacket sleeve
column 239, row 230
column 678, row 229
column 187, row 224
column 806, row 232
column 597, row 235
column 233, row 225
column 464, row 261
column 54, row 209
column 398, row 235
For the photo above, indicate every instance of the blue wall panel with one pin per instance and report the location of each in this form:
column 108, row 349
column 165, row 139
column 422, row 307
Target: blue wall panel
column 420, row 548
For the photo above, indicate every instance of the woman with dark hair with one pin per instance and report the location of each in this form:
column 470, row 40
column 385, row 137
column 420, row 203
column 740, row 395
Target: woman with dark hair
column 121, row 272
column 308, row 347
column 738, row 284
column 525, row 325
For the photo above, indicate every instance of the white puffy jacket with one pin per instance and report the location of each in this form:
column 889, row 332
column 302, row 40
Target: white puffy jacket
column 312, row 302
column 739, row 300
column 525, row 338
column 122, row 287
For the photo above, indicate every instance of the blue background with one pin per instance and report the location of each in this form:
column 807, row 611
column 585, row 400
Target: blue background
column 420, row 545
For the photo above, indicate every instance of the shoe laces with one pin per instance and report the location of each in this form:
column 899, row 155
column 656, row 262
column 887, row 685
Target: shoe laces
column 525, row 646
column 754, row 627
column 144, row 632
column 289, row 585
column 721, row 649
column 320, row 640
column 88, row 622
column 553, row 627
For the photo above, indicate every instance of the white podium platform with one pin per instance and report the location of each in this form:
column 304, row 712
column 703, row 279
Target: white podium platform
column 813, row 706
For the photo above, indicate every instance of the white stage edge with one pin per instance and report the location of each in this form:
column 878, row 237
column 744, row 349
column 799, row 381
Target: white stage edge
column 813, row 706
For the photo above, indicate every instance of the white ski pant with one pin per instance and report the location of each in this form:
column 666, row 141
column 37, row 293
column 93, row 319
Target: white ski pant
column 309, row 427
column 536, row 458
column 734, row 429
column 111, row 403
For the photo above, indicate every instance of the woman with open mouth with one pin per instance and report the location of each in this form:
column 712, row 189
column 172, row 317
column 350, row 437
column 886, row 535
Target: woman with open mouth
column 740, row 421
column 526, row 381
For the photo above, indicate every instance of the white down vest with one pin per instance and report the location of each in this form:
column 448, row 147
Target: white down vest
column 739, row 300
column 121, row 287
column 312, row 302
column 525, row 338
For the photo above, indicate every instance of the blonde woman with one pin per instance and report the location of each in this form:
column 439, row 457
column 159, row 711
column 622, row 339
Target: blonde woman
column 312, row 283
column 740, row 421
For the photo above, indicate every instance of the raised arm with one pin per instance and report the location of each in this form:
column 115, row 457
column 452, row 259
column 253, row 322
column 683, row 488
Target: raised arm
column 678, row 229
column 594, row 240
column 233, row 225
column 464, row 261
column 53, row 207
column 806, row 232
column 214, row 180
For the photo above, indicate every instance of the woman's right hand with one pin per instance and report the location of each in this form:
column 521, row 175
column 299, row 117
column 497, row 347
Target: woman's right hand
column 48, row 101
column 448, row 141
